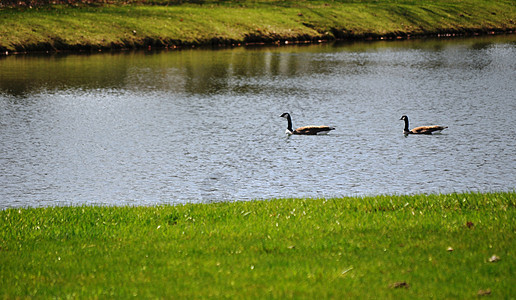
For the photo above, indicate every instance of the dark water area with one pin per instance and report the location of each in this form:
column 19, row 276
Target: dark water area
column 145, row 128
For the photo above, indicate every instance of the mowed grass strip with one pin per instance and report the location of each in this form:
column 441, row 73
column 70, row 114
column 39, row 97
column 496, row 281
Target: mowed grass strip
column 60, row 27
column 413, row 247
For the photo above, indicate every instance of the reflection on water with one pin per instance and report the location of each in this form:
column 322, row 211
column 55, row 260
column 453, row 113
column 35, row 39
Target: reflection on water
column 140, row 128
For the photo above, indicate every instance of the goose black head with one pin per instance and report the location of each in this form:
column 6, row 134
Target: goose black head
column 403, row 117
column 285, row 115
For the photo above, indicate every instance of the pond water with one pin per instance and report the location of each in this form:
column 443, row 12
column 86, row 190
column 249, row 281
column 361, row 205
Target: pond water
column 146, row 128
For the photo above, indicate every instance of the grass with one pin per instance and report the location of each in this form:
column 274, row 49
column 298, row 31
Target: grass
column 285, row 248
column 60, row 27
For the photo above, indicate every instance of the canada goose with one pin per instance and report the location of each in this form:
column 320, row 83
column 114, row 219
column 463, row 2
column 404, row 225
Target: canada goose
column 420, row 129
column 307, row 130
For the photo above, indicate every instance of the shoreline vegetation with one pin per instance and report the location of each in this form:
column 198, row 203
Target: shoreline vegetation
column 454, row 246
column 97, row 25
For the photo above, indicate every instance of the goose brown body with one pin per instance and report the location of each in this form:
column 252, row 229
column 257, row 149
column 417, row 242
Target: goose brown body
column 312, row 129
column 421, row 129
column 306, row 130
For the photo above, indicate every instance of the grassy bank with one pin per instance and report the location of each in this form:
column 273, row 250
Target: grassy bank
column 413, row 247
column 87, row 27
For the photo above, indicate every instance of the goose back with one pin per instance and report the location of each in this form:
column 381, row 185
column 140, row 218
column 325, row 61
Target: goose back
column 313, row 130
column 427, row 129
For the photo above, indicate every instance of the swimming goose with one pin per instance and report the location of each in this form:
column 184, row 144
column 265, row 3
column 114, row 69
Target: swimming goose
column 421, row 129
column 307, row 130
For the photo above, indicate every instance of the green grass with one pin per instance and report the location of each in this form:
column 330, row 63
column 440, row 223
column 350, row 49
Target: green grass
column 62, row 27
column 286, row 248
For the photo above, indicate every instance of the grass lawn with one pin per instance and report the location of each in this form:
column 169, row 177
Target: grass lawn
column 453, row 246
column 84, row 27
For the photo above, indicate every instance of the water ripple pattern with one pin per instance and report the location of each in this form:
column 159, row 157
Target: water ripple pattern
column 146, row 128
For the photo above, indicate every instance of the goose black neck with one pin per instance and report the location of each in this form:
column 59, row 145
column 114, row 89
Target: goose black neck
column 406, row 125
column 289, row 127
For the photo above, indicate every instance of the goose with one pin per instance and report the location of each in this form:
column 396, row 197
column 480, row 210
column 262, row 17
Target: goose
column 421, row 129
column 307, row 130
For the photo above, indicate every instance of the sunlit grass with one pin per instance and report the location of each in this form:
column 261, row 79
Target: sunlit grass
column 214, row 22
column 439, row 245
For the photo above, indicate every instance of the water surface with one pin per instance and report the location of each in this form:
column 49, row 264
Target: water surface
column 144, row 128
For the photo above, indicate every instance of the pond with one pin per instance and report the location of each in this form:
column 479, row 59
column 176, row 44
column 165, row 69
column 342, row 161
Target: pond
column 200, row 126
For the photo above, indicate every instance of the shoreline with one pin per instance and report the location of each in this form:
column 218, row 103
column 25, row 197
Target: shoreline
column 280, row 42
column 354, row 199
